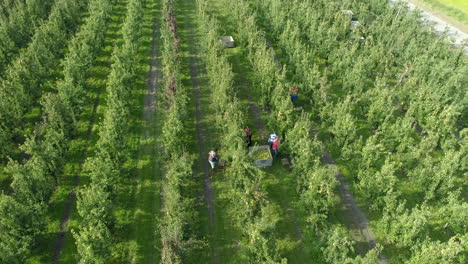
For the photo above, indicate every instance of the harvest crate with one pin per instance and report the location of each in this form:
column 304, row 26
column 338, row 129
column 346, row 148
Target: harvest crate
column 228, row 41
column 262, row 163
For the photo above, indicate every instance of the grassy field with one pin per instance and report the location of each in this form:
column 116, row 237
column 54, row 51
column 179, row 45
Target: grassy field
column 457, row 9
column 139, row 199
column 460, row 4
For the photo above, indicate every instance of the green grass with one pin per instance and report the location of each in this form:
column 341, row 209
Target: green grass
column 460, row 4
column 139, row 196
column 223, row 236
column 457, row 9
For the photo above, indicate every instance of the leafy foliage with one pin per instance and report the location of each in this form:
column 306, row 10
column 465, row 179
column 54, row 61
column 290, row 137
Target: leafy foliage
column 26, row 76
column 94, row 203
column 176, row 226
column 18, row 22
column 254, row 214
column 82, row 51
column 393, row 115
column 18, row 227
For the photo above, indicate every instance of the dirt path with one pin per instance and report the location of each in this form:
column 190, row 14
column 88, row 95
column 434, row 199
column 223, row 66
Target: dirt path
column 208, row 188
column 351, row 209
column 449, row 20
column 435, row 13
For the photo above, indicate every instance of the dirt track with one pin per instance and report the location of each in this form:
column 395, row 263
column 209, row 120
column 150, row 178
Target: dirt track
column 351, row 209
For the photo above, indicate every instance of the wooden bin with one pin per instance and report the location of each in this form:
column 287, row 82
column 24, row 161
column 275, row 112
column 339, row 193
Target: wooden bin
column 262, row 163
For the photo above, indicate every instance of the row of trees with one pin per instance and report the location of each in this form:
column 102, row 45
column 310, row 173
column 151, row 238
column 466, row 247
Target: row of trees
column 316, row 184
column 18, row 21
column 27, row 76
column 24, row 210
column 176, row 226
column 252, row 211
column 95, row 201
column 82, row 52
column 395, row 116
column 33, row 182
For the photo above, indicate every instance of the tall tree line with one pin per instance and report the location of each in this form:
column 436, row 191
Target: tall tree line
column 27, row 77
column 18, row 21
column 177, row 223
column 34, row 180
column 93, row 237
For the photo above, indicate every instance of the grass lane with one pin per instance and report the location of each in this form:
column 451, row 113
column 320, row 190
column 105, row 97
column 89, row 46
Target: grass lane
column 222, row 237
column 142, row 241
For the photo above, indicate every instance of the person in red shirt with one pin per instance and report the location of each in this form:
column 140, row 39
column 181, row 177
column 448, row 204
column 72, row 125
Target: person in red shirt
column 275, row 146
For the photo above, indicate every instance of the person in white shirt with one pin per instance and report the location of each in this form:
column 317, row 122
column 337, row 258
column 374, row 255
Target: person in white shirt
column 213, row 158
column 272, row 139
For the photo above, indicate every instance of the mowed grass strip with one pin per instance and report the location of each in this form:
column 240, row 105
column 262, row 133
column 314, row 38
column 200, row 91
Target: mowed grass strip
column 223, row 236
column 139, row 198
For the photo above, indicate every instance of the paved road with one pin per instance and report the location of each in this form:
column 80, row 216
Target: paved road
column 440, row 22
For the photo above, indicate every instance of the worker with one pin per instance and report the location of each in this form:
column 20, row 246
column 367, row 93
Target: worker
column 294, row 92
column 213, row 158
column 248, row 136
column 271, row 139
column 274, row 146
